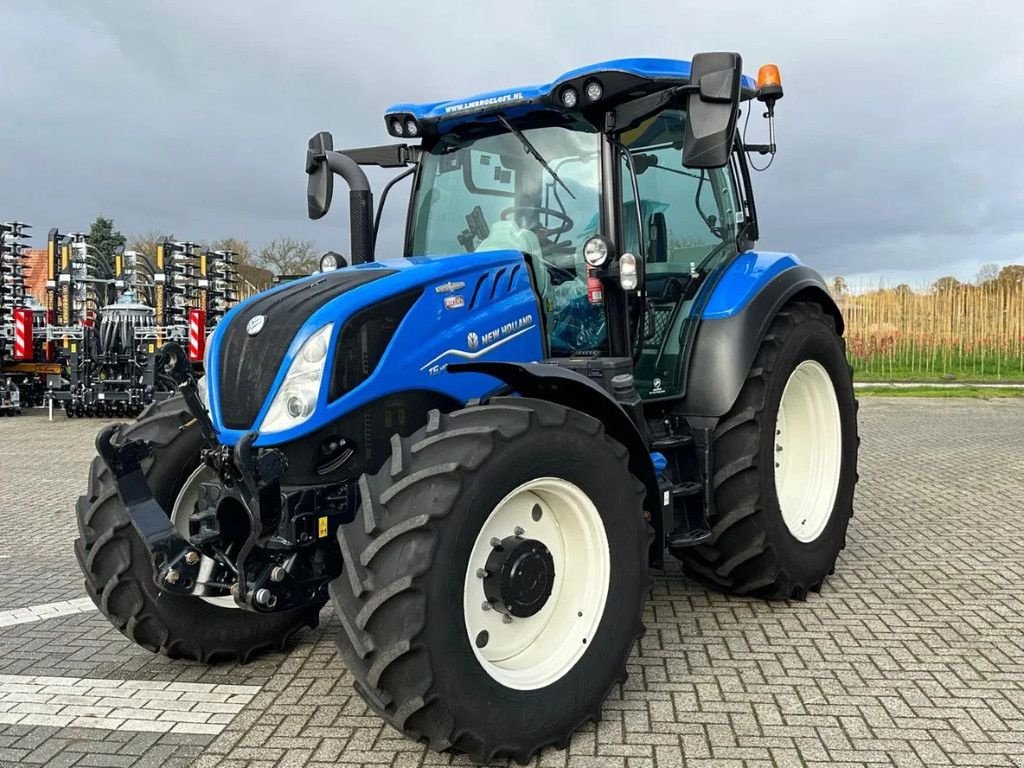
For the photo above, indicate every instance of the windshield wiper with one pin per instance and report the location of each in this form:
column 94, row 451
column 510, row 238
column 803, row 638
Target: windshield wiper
column 533, row 151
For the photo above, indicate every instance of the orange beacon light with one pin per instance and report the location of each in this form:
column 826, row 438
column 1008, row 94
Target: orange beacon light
column 769, row 83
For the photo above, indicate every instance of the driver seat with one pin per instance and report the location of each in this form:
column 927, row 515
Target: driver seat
column 506, row 235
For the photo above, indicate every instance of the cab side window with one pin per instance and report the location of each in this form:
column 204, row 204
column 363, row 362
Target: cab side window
column 685, row 213
column 687, row 221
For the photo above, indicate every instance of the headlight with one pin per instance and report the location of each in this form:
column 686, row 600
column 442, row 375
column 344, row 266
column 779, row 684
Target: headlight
column 202, row 390
column 596, row 251
column 295, row 401
column 329, row 262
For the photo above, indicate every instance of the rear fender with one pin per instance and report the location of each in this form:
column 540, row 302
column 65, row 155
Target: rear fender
column 735, row 320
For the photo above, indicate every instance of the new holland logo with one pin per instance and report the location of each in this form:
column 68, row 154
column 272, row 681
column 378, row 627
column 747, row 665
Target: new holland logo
column 450, row 287
column 255, row 324
column 472, row 340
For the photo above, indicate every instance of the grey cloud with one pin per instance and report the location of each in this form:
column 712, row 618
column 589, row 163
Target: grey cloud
column 896, row 135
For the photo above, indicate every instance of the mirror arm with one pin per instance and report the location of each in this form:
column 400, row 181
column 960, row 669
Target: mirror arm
column 384, row 198
column 630, row 114
column 386, row 156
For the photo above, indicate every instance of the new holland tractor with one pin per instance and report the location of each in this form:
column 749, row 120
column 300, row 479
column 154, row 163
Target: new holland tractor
column 479, row 448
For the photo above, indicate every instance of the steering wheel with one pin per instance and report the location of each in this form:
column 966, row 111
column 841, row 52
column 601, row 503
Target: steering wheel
column 565, row 226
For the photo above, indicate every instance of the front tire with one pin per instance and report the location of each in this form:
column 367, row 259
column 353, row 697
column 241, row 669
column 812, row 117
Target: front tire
column 119, row 575
column 785, row 465
column 412, row 592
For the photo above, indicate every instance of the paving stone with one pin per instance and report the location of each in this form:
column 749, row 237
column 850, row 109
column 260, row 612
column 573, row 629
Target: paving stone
column 913, row 653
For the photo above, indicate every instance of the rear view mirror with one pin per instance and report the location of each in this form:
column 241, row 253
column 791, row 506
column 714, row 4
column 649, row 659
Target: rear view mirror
column 712, row 109
column 320, row 185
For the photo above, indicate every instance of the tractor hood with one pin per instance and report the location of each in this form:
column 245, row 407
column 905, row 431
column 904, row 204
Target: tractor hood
column 433, row 308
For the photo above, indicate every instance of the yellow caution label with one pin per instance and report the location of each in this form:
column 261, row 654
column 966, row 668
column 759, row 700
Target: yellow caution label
column 74, row 347
column 152, row 348
column 322, row 528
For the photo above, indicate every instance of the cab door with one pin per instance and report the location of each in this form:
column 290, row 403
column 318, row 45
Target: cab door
column 684, row 222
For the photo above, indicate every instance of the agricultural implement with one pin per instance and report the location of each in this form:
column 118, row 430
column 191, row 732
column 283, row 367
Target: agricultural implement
column 15, row 310
column 479, row 450
column 96, row 347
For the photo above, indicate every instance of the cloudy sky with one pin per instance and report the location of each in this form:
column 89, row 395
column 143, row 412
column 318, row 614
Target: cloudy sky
column 900, row 134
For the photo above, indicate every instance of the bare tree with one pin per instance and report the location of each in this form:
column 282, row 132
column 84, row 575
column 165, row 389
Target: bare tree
column 987, row 273
column 287, row 256
column 241, row 248
column 1012, row 274
column 145, row 242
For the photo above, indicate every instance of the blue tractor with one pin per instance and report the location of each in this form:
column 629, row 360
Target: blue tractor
column 479, row 449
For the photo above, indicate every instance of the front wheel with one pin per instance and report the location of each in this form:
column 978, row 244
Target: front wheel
column 785, row 465
column 494, row 578
column 118, row 572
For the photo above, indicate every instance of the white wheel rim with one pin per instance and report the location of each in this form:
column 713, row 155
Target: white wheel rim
column 183, row 508
column 808, row 451
column 534, row 652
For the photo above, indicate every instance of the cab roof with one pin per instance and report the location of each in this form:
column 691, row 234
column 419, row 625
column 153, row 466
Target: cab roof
column 620, row 79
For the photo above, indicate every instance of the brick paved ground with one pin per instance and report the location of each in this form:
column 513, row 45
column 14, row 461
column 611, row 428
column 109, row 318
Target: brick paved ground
column 913, row 653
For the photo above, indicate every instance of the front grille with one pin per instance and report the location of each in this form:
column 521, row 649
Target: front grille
column 249, row 364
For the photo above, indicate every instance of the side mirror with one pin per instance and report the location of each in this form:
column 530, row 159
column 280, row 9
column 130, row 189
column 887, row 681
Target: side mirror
column 712, row 109
column 320, row 185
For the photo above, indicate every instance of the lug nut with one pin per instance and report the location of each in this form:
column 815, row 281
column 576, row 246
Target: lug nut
column 506, row 619
column 172, row 576
column 191, row 557
column 481, row 573
column 486, row 606
column 518, row 531
column 278, row 574
column 495, row 542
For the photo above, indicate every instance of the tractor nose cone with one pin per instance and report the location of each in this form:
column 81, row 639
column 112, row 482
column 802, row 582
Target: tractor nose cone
column 520, row 575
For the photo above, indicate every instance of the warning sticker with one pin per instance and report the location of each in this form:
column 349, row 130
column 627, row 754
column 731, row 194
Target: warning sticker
column 322, row 528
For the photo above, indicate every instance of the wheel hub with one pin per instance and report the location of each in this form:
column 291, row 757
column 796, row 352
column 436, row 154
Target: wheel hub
column 520, row 575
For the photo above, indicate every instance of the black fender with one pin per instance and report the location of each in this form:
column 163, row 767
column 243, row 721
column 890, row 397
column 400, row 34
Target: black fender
column 724, row 348
column 574, row 390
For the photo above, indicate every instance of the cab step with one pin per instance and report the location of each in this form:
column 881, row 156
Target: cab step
column 689, row 488
column 688, row 538
column 671, row 443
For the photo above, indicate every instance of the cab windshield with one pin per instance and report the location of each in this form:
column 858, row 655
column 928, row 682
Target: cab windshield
column 494, row 193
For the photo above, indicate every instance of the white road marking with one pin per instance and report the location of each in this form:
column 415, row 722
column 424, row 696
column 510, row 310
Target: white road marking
column 45, row 611
column 121, row 705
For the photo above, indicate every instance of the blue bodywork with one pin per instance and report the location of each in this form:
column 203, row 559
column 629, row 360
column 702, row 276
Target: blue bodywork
column 510, row 100
column 505, row 324
column 743, row 278
column 503, row 315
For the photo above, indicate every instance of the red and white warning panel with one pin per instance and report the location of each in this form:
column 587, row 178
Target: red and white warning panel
column 196, row 335
column 22, row 333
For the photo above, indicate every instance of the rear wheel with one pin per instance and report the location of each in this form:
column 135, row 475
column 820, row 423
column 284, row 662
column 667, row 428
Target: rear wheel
column 785, row 465
column 494, row 578
column 118, row 573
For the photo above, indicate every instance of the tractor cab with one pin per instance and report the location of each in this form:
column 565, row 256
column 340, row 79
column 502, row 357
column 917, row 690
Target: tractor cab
column 621, row 204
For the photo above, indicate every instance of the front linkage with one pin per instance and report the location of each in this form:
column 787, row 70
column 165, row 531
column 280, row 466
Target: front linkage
column 287, row 553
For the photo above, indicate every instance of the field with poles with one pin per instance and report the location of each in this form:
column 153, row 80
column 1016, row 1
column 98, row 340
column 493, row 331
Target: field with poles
column 951, row 331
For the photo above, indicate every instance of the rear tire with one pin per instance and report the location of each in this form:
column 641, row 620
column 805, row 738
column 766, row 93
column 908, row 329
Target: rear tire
column 118, row 573
column 405, row 601
column 753, row 550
